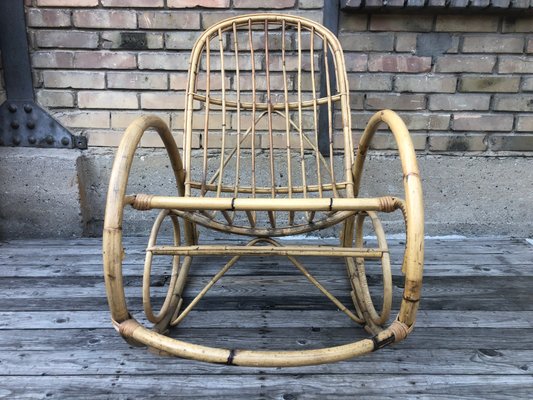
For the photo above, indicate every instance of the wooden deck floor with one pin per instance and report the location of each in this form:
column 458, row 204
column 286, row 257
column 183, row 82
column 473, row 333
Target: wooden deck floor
column 474, row 336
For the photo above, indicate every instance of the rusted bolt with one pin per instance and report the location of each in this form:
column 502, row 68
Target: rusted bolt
column 16, row 140
column 12, row 108
column 49, row 139
column 30, row 124
column 15, row 124
column 32, row 140
column 28, row 108
column 65, row 141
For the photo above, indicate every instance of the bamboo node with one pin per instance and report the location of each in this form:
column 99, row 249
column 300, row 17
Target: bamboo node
column 387, row 204
column 142, row 202
column 400, row 330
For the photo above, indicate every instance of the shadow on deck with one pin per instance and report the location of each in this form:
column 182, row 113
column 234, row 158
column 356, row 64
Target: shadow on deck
column 473, row 338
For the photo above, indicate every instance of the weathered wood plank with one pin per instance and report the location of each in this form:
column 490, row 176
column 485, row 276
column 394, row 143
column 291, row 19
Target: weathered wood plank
column 397, row 361
column 269, row 385
column 422, row 338
column 266, row 319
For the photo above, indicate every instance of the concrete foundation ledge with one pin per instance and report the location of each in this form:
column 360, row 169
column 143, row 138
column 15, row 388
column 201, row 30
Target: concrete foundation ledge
column 61, row 193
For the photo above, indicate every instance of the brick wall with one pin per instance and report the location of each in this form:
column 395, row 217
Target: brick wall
column 462, row 83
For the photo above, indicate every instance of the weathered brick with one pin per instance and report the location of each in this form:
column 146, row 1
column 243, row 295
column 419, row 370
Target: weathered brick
column 459, row 102
column 524, row 123
column 67, row 3
column 305, row 4
column 398, row 63
column 482, row 122
column 131, row 40
column 74, row 79
column 500, row 84
column 366, row 82
column 420, row 121
column 103, row 59
column 107, row 99
column 52, row 59
column 467, row 23
column 375, row 101
column 55, row 98
column 169, row 20
column 356, row 62
column 104, row 19
column 137, row 80
column 517, row 24
column 386, row 141
column 41, row 17
column 529, row 46
column 211, row 18
column 520, row 142
column 515, row 65
column 527, row 84
column 182, row 40
column 398, row 23
column 357, row 101
column 162, row 101
column 166, row 61
column 425, row 83
column 152, row 139
column 513, row 102
column 133, row 3
column 66, row 39
column 276, row 4
column 457, row 143
column 367, row 41
column 452, row 63
column 122, row 119
column 353, row 22
column 84, row 119
column 493, row 44
column 406, row 42
column 105, row 138
column 198, row 3
column 178, row 81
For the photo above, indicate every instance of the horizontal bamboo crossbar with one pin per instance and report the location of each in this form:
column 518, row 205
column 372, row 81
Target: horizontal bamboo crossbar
column 278, row 190
column 266, row 106
column 212, row 250
column 146, row 202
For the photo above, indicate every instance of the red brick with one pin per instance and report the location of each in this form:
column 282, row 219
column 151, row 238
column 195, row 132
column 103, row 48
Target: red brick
column 104, row 59
column 169, row 20
column 41, row 17
column 67, row 3
column 398, row 23
column 107, row 99
column 66, row 39
column 276, row 4
column 104, row 19
column 198, row 3
column 133, row 3
column 398, row 63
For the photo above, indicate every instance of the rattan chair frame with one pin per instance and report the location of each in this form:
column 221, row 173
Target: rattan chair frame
column 188, row 209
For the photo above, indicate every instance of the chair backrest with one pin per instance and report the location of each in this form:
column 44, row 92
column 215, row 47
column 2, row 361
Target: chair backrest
column 253, row 100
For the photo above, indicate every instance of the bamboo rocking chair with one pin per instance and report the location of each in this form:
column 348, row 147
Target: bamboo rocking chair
column 253, row 99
